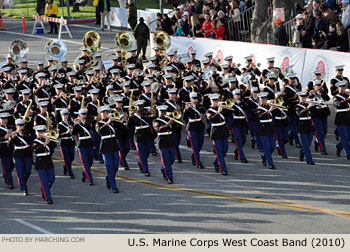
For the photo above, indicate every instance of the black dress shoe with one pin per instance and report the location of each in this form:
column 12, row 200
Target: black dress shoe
column 11, row 187
column 83, row 179
column 224, row 173
column 337, row 137
column 161, row 170
column 179, row 161
column 279, row 151
column 272, row 167
column 72, row 176
column 154, row 154
column 338, row 152
column 253, row 144
column 298, row 146
column 310, row 163
column 290, row 140
column 102, row 29
column 101, row 162
column 263, row 160
column 200, row 166
column 108, row 184
column 216, row 167
column 50, row 202
column 316, row 146
column 25, row 193
column 147, row 174
column 324, row 152
column 91, row 184
column 193, row 162
column 64, row 171
column 236, row 155
column 244, row 160
column 301, row 157
column 42, row 193
column 50, row 32
column 170, row 181
column 97, row 23
column 133, row 148
column 126, row 168
column 115, row 191
column 140, row 166
column 284, row 156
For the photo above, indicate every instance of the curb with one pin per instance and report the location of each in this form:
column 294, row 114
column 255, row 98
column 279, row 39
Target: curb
column 81, row 21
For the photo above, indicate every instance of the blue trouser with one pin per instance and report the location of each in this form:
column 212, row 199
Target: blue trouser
column 68, row 153
column 168, row 157
column 221, row 147
column 320, row 132
column 293, row 127
column 254, row 127
column 269, row 144
column 196, row 139
column 306, row 140
column 153, row 147
column 177, row 139
column 282, row 138
column 240, row 139
column 97, row 142
column 7, row 166
column 344, row 133
column 143, row 150
column 23, row 168
column 87, row 158
column 112, row 164
column 325, row 124
column 131, row 137
column 46, row 177
column 124, row 147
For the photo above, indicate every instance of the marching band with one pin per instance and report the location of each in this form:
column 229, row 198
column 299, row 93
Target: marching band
column 105, row 113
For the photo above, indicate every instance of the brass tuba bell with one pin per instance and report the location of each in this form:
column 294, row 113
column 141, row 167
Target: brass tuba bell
column 162, row 40
column 56, row 48
column 92, row 42
column 125, row 40
column 18, row 49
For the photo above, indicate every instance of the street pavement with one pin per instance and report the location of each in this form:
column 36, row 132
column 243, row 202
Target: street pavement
column 295, row 198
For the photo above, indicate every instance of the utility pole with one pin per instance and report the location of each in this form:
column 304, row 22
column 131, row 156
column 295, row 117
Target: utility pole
column 161, row 6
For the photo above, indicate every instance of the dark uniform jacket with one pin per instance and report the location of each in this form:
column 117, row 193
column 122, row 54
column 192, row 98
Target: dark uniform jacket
column 218, row 126
column 142, row 128
column 280, row 118
column 43, row 154
column 108, row 137
column 266, row 127
column 22, row 146
column 66, row 139
column 164, row 133
column 239, row 116
column 194, row 118
column 83, row 131
column 342, row 110
column 4, row 144
column 305, row 123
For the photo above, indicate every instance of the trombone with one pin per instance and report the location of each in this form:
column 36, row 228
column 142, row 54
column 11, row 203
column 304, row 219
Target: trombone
column 228, row 104
column 52, row 135
column 175, row 120
column 276, row 103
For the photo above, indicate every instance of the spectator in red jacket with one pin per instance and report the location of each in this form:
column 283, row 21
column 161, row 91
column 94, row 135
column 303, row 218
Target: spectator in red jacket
column 208, row 27
column 220, row 33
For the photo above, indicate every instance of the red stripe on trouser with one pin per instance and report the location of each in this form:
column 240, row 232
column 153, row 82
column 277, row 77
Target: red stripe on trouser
column 121, row 158
column 278, row 142
column 64, row 160
column 4, row 169
column 42, row 187
column 250, row 131
column 81, row 158
column 217, row 156
column 161, row 157
column 17, row 173
column 234, row 135
column 194, row 153
column 138, row 153
column 317, row 135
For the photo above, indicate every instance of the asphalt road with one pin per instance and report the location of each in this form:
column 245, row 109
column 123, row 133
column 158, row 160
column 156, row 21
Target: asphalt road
column 295, row 198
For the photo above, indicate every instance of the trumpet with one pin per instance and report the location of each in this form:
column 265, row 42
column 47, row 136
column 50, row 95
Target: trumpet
column 52, row 135
column 176, row 114
column 276, row 104
column 228, row 103
column 175, row 120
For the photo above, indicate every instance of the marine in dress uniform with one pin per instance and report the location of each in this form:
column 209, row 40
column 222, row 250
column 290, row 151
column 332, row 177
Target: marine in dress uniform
column 193, row 115
column 67, row 143
column 266, row 130
column 165, row 142
column 5, row 153
column 239, row 125
column 76, row 103
column 83, row 129
column 218, row 133
column 306, row 129
column 59, row 102
column 342, row 119
column 22, row 155
column 42, row 147
column 338, row 77
column 253, row 104
column 109, row 147
column 143, row 135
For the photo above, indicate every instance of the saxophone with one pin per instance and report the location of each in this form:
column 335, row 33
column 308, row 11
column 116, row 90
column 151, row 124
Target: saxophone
column 48, row 124
column 132, row 107
column 26, row 117
column 82, row 102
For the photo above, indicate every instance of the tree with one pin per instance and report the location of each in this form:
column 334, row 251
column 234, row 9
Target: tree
column 262, row 29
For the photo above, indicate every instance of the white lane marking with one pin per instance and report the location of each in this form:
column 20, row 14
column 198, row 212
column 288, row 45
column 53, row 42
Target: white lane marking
column 44, row 231
column 190, row 149
column 97, row 27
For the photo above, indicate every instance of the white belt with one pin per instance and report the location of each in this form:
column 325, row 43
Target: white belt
column 265, row 121
column 125, row 106
column 164, row 133
column 76, row 112
column 5, row 142
column 194, row 120
column 239, row 117
column 108, row 136
column 280, row 118
column 142, row 127
column 42, row 154
column 21, row 147
column 59, row 109
column 304, row 118
column 66, row 138
column 148, row 107
column 217, row 124
column 343, row 110
column 84, row 137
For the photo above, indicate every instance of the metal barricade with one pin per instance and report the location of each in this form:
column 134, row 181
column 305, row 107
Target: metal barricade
column 239, row 25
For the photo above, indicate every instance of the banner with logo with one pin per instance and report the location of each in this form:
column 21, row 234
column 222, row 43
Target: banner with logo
column 305, row 61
